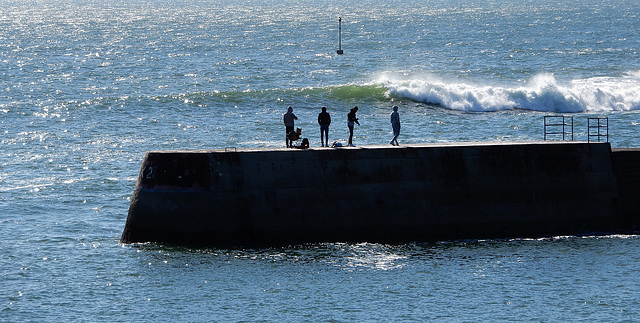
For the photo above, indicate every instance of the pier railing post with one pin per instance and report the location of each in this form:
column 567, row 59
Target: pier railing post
column 558, row 125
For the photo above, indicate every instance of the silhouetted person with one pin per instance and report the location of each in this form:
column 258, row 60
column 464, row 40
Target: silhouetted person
column 351, row 119
column 324, row 120
column 395, row 124
column 289, row 118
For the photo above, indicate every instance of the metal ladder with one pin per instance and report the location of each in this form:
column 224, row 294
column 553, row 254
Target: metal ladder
column 596, row 127
column 558, row 125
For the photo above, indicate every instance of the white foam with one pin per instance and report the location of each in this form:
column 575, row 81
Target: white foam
column 541, row 93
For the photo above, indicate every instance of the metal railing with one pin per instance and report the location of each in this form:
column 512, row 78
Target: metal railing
column 598, row 128
column 558, row 125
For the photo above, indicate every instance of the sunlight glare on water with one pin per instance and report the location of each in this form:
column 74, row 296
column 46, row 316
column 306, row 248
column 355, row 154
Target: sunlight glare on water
column 87, row 88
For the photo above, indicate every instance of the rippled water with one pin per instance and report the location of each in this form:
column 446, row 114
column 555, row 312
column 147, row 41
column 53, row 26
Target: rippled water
column 87, row 87
column 566, row 278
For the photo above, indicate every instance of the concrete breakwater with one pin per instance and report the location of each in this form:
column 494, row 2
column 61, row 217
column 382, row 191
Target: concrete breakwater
column 270, row 197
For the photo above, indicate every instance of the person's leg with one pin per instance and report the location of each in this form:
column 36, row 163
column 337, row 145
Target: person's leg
column 396, row 133
column 350, row 135
column 289, row 142
column 395, row 136
column 326, row 135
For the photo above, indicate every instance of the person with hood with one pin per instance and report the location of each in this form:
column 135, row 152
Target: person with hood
column 395, row 124
column 351, row 119
column 324, row 120
column 289, row 118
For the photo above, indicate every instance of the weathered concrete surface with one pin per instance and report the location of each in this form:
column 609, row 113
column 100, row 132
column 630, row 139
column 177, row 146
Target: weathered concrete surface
column 375, row 193
column 626, row 165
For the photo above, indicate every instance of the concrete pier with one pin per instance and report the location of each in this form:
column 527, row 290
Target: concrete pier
column 271, row 197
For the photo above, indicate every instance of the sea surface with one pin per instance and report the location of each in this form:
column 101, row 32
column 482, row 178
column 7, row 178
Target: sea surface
column 87, row 87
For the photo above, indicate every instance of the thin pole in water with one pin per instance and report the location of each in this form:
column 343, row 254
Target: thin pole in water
column 340, row 51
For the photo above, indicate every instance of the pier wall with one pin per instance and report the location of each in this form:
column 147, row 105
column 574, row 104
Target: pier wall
column 626, row 165
column 376, row 194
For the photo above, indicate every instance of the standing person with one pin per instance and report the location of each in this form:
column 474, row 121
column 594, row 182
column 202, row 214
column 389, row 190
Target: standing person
column 324, row 120
column 289, row 118
column 351, row 119
column 395, row 124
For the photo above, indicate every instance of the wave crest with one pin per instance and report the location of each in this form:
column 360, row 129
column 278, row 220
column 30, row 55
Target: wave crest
column 541, row 93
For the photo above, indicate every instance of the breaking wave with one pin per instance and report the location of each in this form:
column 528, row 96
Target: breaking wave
column 540, row 93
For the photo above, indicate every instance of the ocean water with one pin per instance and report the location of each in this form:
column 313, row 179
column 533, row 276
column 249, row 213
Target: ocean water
column 87, row 87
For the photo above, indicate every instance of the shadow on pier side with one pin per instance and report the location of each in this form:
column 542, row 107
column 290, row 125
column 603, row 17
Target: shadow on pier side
column 273, row 197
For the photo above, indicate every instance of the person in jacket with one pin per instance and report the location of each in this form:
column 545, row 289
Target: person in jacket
column 289, row 119
column 395, row 124
column 351, row 120
column 324, row 120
